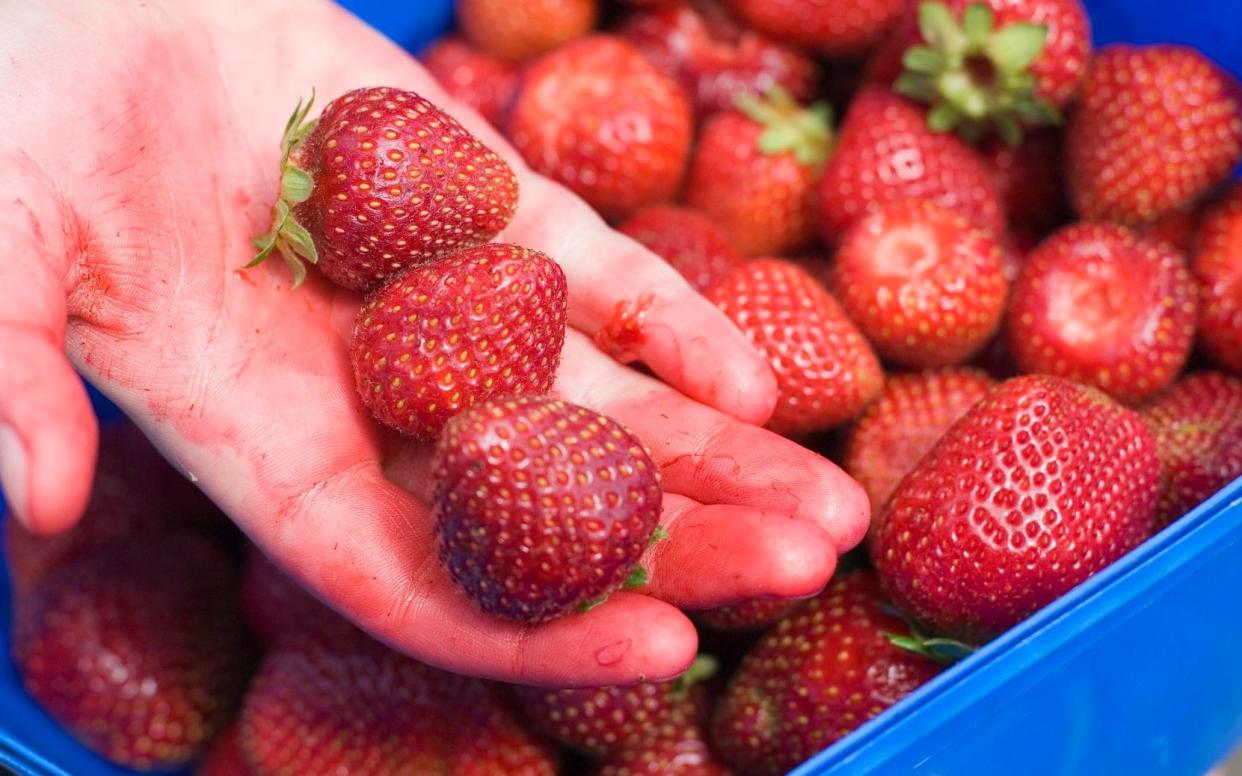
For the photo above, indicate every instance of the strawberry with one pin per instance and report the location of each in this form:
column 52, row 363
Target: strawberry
column 383, row 180
column 687, row 240
column 542, row 506
column 1179, row 228
column 925, row 285
column 273, row 604
column 900, row 427
column 439, row 338
column 1218, row 268
column 480, row 80
column 520, row 29
column 225, row 756
column 608, row 721
column 817, row 675
column 885, row 152
column 825, row 370
column 138, row 651
column 1099, row 305
column 1198, row 428
column 351, row 705
column 598, row 117
column 754, row 172
column 691, row 757
column 1040, row 485
column 1154, row 128
column 998, row 64
column 838, row 28
column 755, row 614
column 716, row 59
column 1028, row 179
column 135, row 493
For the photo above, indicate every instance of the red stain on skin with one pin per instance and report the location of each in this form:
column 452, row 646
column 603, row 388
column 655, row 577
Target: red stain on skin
column 242, row 198
column 624, row 334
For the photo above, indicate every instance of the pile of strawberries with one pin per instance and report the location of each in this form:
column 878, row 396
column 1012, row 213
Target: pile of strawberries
column 997, row 273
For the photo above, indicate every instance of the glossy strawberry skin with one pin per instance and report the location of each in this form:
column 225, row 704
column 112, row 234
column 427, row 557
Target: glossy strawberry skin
column 398, row 716
column 599, row 118
column 517, row 30
column 413, row 168
column 1154, row 128
column 541, row 505
column 817, row 675
column 481, row 81
column 135, row 493
column 764, row 202
column 691, row 757
column 611, row 721
column 885, row 152
column 899, row 428
column 689, row 241
column 838, row 29
column 825, row 370
column 925, row 285
column 486, row 321
column 715, row 58
column 1218, row 270
column 1028, row 179
column 138, row 651
column 1198, row 428
column 1036, row 488
column 1096, row 304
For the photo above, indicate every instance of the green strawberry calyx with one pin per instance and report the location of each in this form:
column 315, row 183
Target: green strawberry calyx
column 975, row 75
column 918, row 641
column 287, row 236
column 703, row 668
column 805, row 132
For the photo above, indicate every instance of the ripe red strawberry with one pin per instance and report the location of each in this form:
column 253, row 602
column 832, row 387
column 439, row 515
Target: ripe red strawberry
column 998, row 64
column 1218, row 268
column 381, row 181
column 825, row 370
column 1154, row 128
column 1036, row 488
column 135, row 493
column 481, row 81
column 1028, row 179
column 715, row 58
column 1096, row 304
column 925, row 285
column 689, row 241
column 521, row 29
column 486, row 321
column 885, row 152
column 665, row 758
column 817, row 675
column 598, row 117
column 273, row 604
column 138, row 651
column 1178, row 228
column 755, row 614
column 1198, row 428
column 225, row 756
column 901, row 426
column 608, row 721
column 837, row 28
column 754, row 172
column 542, row 506
column 355, row 706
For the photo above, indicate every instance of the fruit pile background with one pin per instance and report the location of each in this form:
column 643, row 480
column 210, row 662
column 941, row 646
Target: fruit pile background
column 1205, row 32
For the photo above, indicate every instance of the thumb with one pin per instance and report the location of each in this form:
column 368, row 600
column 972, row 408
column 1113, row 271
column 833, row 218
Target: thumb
column 48, row 433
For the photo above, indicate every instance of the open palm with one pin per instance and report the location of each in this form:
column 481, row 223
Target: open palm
column 140, row 156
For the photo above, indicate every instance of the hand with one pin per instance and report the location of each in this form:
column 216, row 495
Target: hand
column 140, row 156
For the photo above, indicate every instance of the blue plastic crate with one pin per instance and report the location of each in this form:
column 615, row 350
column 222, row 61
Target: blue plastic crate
column 1134, row 672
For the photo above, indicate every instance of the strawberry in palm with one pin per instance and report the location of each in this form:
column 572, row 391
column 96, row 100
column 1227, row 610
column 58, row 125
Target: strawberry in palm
column 755, row 172
column 1040, row 485
column 381, row 181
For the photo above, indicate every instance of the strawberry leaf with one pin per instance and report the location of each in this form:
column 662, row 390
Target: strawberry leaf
column 1014, row 47
column 637, row 578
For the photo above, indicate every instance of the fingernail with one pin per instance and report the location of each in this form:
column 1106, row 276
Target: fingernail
column 14, row 473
